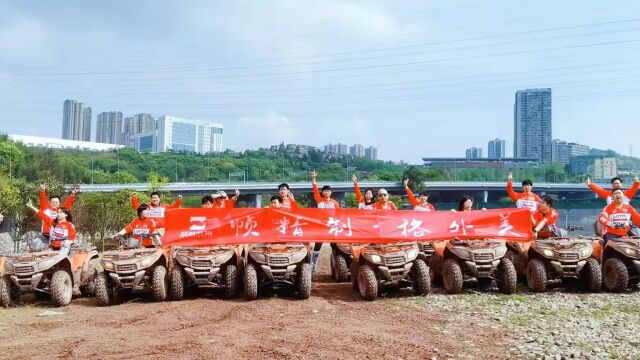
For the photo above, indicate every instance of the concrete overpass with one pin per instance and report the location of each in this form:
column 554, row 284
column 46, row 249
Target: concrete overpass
column 440, row 191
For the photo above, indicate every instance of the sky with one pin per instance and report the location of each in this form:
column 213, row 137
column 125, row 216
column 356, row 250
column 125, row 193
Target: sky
column 412, row 78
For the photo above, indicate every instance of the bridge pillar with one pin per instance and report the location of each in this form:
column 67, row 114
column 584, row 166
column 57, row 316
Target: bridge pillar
column 485, row 196
column 258, row 200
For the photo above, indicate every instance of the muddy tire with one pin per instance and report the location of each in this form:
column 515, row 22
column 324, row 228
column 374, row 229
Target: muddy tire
column 304, row 280
column 506, row 277
column 250, row 282
column 615, row 275
column 61, row 288
column 104, row 289
column 9, row 294
column 367, row 283
column 89, row 289
column 341, row 268
column 421, row 277
column 591, row 275
column 176, row 284
column 160, row 283
column 452, row 277
column 231, row 281
column 536, row 276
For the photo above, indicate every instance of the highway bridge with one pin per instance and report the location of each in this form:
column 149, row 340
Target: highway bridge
column 440, row 191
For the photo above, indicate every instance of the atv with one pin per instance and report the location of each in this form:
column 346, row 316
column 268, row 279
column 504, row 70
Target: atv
column 49, row 274
column 483, row 259
column 620, row 259
column 379, row 265
column 132, row 268
column 560, row 258
column 341, row 262
column 277, row 265
column 206, row 267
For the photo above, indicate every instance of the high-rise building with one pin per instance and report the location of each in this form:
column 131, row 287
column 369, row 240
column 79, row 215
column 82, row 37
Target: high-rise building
column 371, row 153
column 139, row 123
column 178, row 134
column 560, row 151
column 604, row 168
column 496, row 149
column 532, row 124
column 109, row 127
column 474, row 153
column 356, row 150
column 343, row 149
column 76, row 122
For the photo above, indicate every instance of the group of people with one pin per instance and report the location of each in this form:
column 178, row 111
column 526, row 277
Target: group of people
column 616, row 218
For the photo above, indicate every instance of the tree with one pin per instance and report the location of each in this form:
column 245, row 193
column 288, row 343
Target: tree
column 11, row 158
column 417, row 177
column 99, row 215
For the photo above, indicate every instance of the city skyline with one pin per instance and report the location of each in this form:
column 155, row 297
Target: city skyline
column 413, row 79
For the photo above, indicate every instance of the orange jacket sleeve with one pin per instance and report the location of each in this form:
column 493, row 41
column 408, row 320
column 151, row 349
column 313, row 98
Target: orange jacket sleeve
column 68, row 203
column 633, row 190
column 230, row 203
column 129, row 228
column 356, row 189
column 47, row 220
column 176, row 204
column 412, row 198
column 604, row 216
column 72, row 232
column 294, row 204
column 602, row 193
column 512, row 194
column 316, row 193
column 43, row 200
column 134, row 202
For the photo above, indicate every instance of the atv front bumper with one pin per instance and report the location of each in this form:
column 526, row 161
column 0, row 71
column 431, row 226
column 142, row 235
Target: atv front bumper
column 134, row 281
column 482, row 269
column 204, row 276
column 27, row 283
column 395, row 273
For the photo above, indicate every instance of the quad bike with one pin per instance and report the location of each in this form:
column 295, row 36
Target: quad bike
column 558, row 258
column 483, row 259
column 378, row 265
column 620, row 259
column 133, row 268
column 277, row 265
column 341, row 262
column 206, row 267
column 49, row 274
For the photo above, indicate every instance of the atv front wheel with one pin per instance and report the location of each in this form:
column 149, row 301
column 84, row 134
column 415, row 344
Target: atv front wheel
column 341, row 269
column 591, row 275
column 159, row 283
column 615, row 275
column 9, row 293
column 506, row 277
column 250, row 282
column 231, row 282
column 452, row 277
column 89, row 289
column 536, row 276
column 61, row 288
column 176, row 285
column 304, row 280
column 367, row 283
column 421, row 277
column 104, row 289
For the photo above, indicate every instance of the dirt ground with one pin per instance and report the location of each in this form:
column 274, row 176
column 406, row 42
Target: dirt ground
column 333, row 323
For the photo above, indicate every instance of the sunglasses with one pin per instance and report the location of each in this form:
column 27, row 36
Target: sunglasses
column 383, row 194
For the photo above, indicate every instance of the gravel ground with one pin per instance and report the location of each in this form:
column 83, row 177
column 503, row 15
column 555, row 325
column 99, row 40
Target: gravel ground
column 558, row 324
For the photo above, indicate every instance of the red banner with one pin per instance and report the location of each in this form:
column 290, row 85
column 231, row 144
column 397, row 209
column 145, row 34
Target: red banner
column 204, row 227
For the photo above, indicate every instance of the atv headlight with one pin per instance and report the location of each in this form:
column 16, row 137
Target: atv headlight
column 258, row 257
column 412, row 254
column 547, row 252
column 376, row 259
column 586, row 252
column 297, row 257
column 8, row 267
column 147, row 261
column 501, row 251
column 44, row 265
column 108, row 265
column 630, row 252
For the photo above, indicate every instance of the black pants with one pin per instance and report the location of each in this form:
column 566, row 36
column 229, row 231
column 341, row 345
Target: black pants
column 317, row 246
column 607, row 237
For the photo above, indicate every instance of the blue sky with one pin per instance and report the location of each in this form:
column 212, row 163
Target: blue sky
column 413, row 78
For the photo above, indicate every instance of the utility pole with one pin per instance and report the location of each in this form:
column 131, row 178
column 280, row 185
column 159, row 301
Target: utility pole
column 118, row 156
column 10, row 169
column 176, row 168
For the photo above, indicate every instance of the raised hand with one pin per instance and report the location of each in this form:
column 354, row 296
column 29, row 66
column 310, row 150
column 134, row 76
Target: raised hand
column 588, row 181
column 354, row 178
column 43, row 187
column 510, row 176
column 406, row 183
